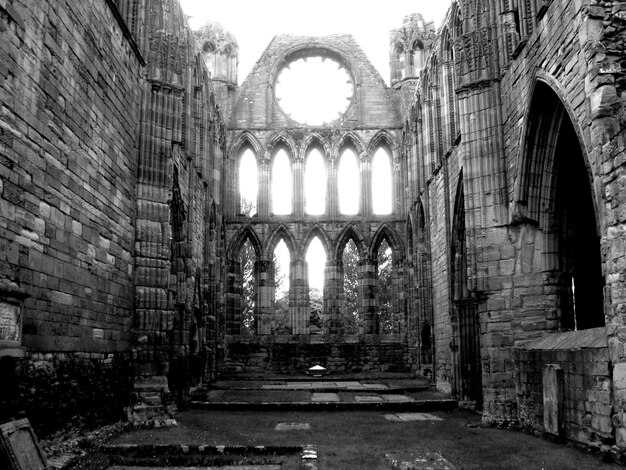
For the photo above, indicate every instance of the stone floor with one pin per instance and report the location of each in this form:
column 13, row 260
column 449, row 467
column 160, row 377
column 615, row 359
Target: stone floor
column 340, row 423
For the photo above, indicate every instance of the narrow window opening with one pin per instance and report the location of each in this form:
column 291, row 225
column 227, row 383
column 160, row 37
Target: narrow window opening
column 348, row 183
column 281, row 184
column 316, row 261
column 386, row 314
column 315, row 183
column 247, row 258
column 352, row 318
column 282, row 261
column 381, row 182
column 248, row 183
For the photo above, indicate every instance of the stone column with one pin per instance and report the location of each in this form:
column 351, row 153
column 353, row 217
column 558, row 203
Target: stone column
column 332, row 191
column 299, row 297
column 234, row 291
column 264, row 277
column 298, row 187
column 367, row 293
column 400, row 297
column 334, row 296
column 365, row 208
column 263, row 198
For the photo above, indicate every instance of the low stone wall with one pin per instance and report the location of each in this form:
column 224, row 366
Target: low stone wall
column 287, row 354
column 584, row 358
column 55, row 390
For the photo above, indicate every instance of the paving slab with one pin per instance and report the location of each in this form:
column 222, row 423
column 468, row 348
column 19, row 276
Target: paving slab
column 368, row 399
column 292, row 427
column 257, row 396
column 375, row 386
column 397, row 398
column 227, row 467
column 324, row 397
column 404, row 417
column 419, row 460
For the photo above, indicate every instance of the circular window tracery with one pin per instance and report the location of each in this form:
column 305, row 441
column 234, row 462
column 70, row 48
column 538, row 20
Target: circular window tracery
column 314, row 90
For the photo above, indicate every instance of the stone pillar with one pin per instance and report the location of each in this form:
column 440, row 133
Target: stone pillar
column 332, row 190
column 298, row 187
column 265, row 292
column 367, row 294
column 263, row 199
column 400, row 298
column 366, row 185
column 234, row 291
column 553, row 399
column 299, row 297
column 334, row 296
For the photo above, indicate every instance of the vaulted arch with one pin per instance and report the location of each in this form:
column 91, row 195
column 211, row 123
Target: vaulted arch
column 281, row 233
column 246, row 232
column 243, row 140
column 386, row 232
column 282, row 140
column 382, row 138
column 317, row 231
column 350, row 232
column 351, row 140
column 555, row 194
column 313, row 140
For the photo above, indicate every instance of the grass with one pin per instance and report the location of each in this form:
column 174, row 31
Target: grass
column 360, row 440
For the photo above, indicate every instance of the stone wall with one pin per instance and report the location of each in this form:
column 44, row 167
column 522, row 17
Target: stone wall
column 65, row 389
column 370, row 120
column 587, row 373
column 111, row 155
column 482, row 79
column 293, row 355
column 69, row 107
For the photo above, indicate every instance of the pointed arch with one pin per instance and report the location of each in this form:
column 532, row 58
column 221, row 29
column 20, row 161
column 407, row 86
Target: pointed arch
column 245, row 233
column 547, row 112
column 281, row 233
column 409, row 235
column 212, row 215
column 284, row 140
column 243, row 140
column 319, row 232
column 313, row 140
column 386, row 232
column 351, row 140
column 349, row 232
column 383, row 138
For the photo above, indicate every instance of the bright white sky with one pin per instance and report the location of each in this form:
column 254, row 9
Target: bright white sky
column 255, row 22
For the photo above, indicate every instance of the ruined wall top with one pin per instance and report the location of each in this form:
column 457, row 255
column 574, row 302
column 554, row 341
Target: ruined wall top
column 219, row 50
column 371, row 104
column 409, row 46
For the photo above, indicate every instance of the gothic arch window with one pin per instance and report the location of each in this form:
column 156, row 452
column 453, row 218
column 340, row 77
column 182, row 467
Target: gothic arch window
column 449, row 105
column 382, row 181
column 417, row 57
column 248, row 174
column 247, row 261
column 398, row 66
column 352, row 316
column 282, row 182
column 387, row 310
column 555, row 192
column 282, row 262
column 316, row 262
column 315, row 182
column 349, row 182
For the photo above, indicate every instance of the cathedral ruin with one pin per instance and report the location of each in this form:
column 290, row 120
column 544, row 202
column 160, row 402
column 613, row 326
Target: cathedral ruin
column 123, row 218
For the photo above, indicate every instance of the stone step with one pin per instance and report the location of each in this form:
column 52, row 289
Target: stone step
column 366, row 405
